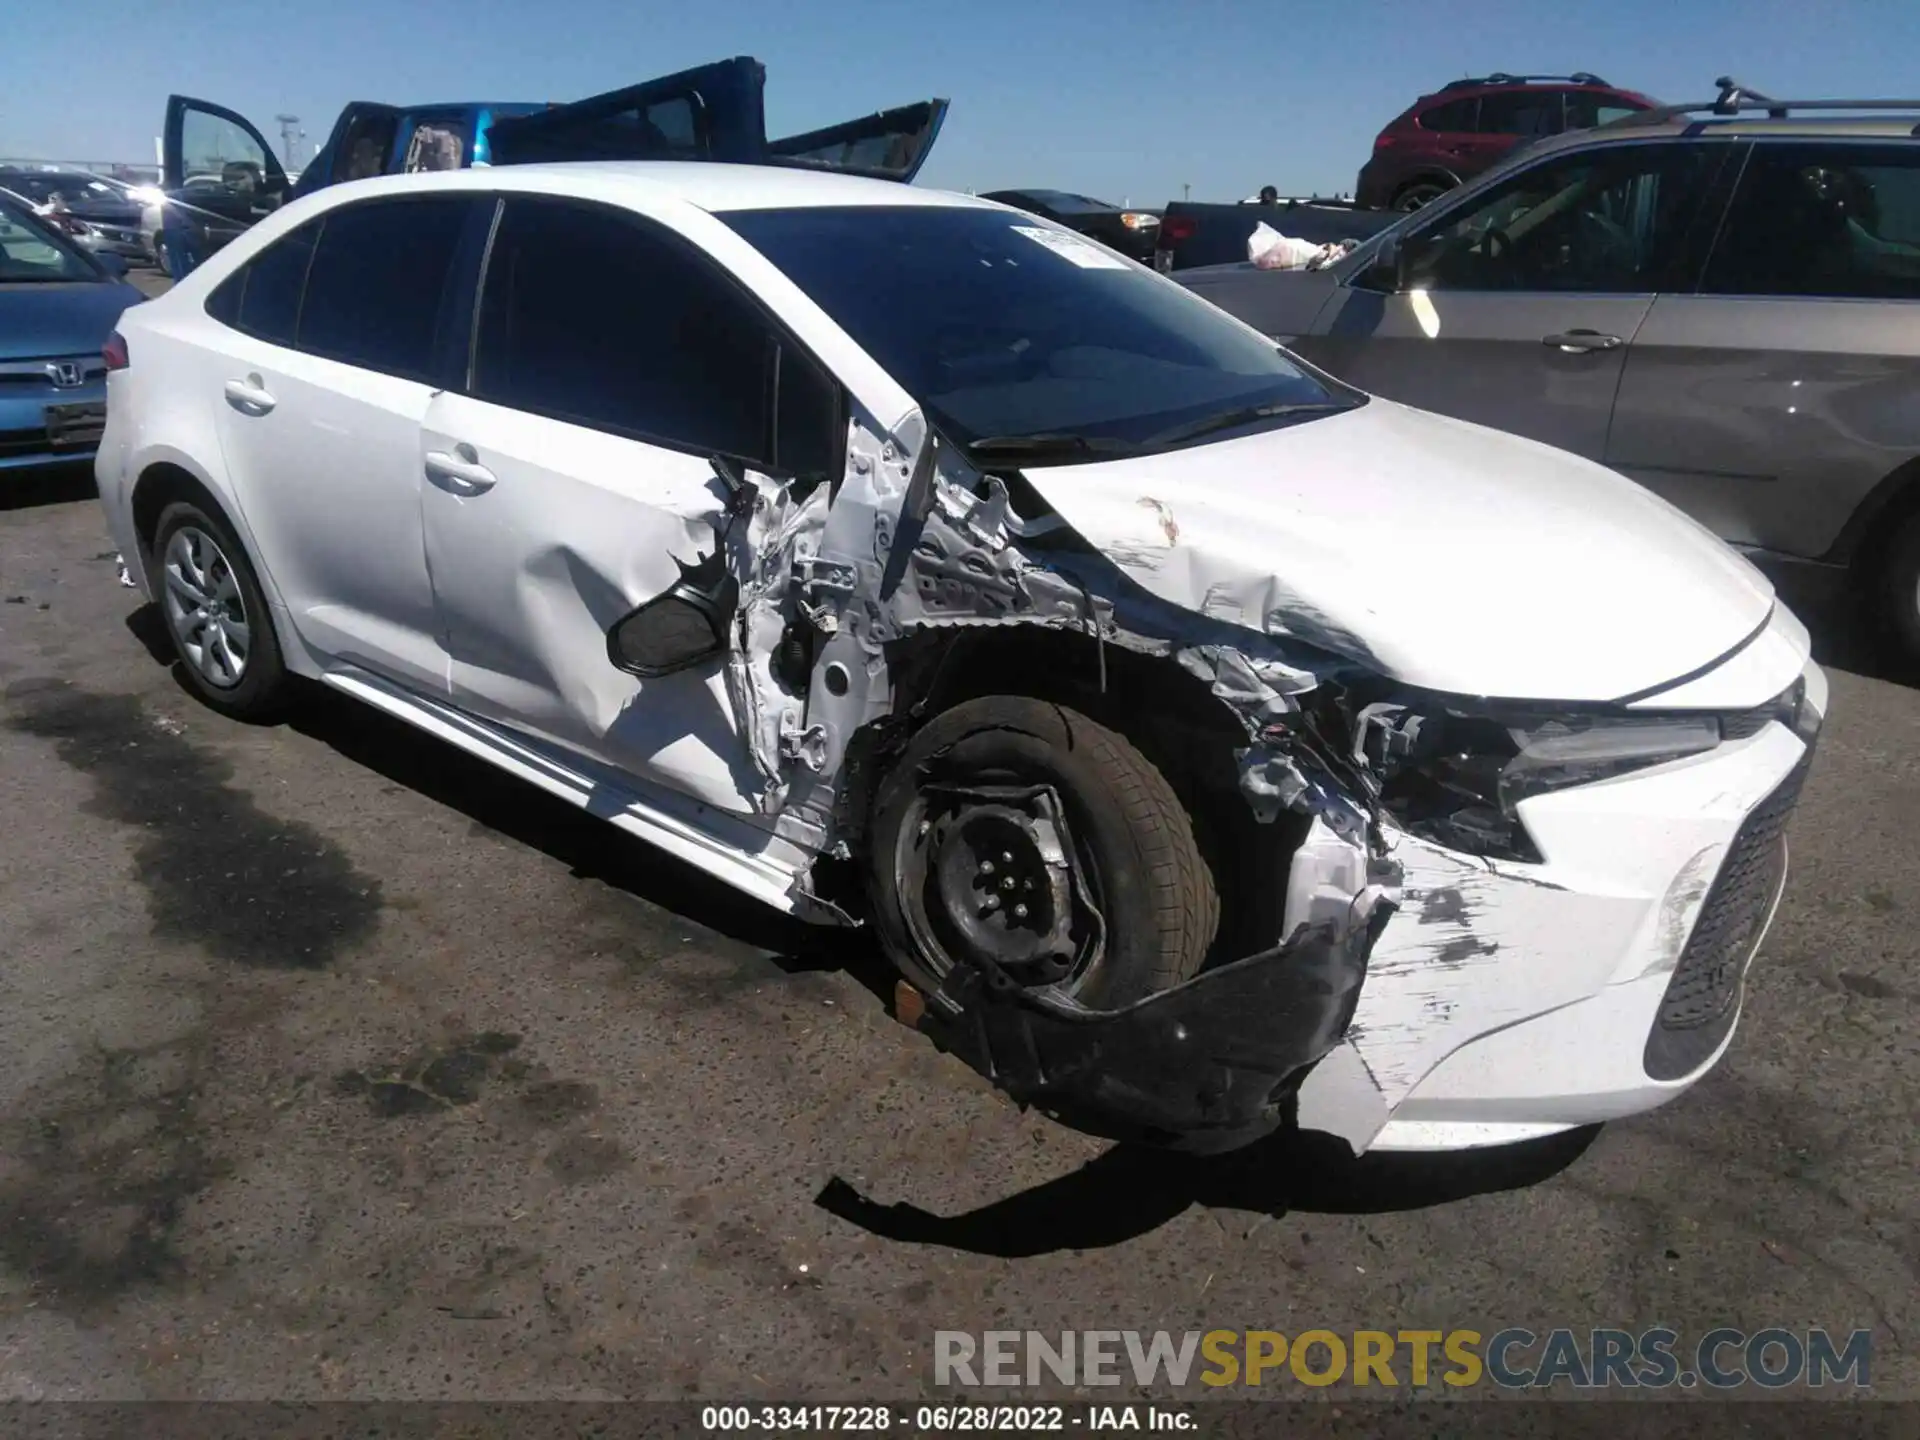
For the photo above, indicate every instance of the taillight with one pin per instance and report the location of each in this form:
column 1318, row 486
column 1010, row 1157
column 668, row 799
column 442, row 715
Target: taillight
column 114, row 352
column 1177, row 228
column 1385, row 140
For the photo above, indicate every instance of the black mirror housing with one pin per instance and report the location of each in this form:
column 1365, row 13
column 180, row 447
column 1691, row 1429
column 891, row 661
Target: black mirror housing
column 683, row 626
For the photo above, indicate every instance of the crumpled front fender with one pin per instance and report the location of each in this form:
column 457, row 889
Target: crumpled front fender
column 1208, row 1065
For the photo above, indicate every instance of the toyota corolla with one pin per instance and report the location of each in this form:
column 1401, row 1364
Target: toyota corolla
column 1210, row 745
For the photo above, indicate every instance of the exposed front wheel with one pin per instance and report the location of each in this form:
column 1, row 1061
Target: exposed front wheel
column 1017, row 834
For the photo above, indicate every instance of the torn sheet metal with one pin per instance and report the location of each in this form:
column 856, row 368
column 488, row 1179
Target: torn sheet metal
column 1208, row 1065
column 762, row 555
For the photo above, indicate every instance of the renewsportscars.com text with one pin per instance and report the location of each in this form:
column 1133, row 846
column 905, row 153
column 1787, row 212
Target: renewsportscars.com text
column 1513, row 1359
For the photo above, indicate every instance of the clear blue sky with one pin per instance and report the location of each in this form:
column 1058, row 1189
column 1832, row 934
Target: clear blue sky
column 1118, row 98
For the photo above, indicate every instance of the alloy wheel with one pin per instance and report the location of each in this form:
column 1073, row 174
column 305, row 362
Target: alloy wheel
column 205, row 609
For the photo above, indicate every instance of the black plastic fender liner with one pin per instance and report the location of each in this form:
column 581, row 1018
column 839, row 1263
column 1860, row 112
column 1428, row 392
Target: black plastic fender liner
column 1208, row 1065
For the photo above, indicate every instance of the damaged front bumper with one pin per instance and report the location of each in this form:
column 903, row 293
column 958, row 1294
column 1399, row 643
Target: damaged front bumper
column 1206, row 1066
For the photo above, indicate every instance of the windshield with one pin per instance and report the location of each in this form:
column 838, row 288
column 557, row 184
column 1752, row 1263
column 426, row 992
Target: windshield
column 1009, row 330
column 29, row 254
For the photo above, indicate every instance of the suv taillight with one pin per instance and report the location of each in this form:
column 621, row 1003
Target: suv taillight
column 114, row 352
column 1177, row 228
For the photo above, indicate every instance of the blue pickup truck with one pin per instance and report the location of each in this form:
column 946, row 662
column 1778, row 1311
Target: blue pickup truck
column 221, row 175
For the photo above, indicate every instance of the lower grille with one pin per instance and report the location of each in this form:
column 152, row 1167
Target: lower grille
column 1703, row 997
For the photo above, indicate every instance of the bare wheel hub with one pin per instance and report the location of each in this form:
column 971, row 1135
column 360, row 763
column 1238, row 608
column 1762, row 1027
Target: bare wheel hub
column 992, row 876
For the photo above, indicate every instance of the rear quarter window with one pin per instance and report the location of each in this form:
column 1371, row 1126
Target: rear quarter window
column 1456, row 117
column 269, row 300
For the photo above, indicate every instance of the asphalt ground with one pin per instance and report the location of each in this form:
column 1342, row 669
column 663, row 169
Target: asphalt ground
column 334, row 1064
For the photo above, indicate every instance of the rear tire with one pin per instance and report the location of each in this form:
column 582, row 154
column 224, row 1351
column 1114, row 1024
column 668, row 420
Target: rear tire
column 1899, row 589
column 1058, row 817
column 217, row 615
column 1419, row 193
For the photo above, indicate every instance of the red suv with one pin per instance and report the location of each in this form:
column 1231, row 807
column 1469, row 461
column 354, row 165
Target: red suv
column 1454, row 134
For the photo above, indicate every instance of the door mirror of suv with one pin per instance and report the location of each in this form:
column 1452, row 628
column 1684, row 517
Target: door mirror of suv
column 681, row 627
column 1386, row 271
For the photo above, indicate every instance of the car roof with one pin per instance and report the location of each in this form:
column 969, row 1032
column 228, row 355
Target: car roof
column 1732, row 127
column 706, row 185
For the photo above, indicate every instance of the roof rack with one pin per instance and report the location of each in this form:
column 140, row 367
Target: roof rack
column 1500, row 77
column 1736, row 99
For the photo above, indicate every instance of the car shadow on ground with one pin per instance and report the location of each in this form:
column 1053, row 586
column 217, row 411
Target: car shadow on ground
column 1129, row 1190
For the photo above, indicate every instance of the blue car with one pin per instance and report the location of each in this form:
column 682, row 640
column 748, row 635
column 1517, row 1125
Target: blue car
column 221, row 175
column 58, row 305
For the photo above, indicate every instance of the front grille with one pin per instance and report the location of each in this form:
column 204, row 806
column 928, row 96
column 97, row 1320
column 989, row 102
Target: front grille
column 1703, row 997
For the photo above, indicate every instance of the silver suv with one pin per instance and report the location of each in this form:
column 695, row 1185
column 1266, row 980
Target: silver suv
column 1720, row 300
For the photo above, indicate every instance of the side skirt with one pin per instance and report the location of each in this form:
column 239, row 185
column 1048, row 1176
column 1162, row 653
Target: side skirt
column 744, row 856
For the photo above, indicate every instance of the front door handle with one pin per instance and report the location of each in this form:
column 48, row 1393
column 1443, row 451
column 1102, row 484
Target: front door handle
column 249, row 396
column 460, row 472
column 1579, row 342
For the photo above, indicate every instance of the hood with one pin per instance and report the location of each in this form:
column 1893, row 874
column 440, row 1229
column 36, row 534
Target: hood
column 1446, row 555
column 62, row 319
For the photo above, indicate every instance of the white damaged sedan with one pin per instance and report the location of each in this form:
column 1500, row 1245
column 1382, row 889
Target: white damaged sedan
column 1211, row 746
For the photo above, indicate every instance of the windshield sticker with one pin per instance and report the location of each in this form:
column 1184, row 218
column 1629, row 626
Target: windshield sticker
column 1084, row 253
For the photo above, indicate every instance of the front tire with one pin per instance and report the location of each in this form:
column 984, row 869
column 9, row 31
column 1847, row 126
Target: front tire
column 217, row 615
column 1899, row 589
column 1027, row 835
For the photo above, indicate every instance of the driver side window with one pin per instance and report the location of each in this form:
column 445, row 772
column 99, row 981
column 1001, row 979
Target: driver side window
column 1602, row 221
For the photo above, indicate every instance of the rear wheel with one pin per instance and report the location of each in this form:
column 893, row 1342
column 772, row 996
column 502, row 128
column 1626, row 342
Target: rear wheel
column 1026, row 836
column 1899, row 586
column 217, row 614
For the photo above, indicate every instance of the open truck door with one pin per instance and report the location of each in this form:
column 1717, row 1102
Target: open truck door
column 714, row 112
column 891, row 145
column 217, row 161
column 711, row 112
column 359, row 148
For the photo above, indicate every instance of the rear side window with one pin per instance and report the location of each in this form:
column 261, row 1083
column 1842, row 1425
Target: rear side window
column 1823, row 220
column 376, row 286
column 591, row 316
column 1521, row 112
column 269, row 307
column 1456, row 117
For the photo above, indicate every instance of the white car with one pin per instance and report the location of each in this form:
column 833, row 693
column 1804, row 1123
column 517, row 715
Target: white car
column 1211, row 745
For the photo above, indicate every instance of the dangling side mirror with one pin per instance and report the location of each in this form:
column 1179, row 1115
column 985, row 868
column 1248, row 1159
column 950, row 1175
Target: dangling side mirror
column 681, row 627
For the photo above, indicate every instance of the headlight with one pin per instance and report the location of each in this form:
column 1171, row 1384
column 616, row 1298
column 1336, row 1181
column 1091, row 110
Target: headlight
column 1139, row 220
column 1458, row 780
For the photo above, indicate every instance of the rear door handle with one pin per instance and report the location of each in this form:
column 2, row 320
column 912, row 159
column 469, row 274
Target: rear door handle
column 1578, row 342
column 459, row 472
column 249, row 396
